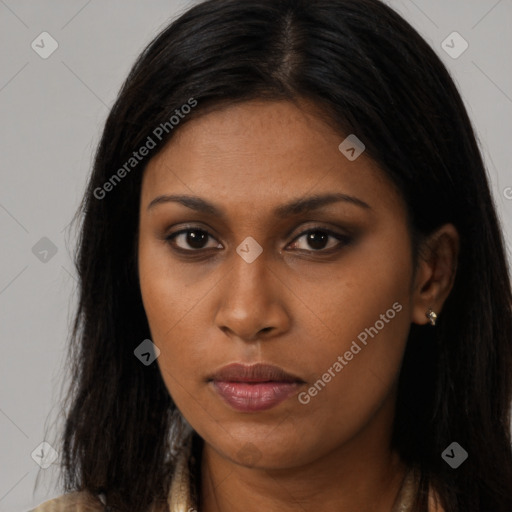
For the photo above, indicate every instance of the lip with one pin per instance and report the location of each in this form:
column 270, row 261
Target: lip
column 254, row 388
column 259, row 372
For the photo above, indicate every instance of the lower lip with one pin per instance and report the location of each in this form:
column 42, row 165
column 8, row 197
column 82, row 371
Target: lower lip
column 247, row 397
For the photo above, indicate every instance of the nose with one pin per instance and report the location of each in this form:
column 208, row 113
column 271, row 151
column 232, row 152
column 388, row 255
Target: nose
column 252, row 301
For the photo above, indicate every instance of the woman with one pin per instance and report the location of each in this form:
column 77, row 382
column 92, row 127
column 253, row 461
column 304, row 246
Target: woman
column 340, row 340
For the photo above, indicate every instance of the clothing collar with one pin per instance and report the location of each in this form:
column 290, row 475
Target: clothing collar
column 180, row 497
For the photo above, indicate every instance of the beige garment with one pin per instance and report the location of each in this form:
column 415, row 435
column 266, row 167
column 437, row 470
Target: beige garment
column 180, row 498
column 78, row 501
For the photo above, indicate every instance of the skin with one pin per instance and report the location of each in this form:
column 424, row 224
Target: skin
column 292, row 306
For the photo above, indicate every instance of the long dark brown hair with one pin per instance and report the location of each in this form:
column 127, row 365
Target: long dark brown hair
column 371, row 74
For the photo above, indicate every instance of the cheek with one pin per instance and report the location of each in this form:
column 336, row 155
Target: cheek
column 172, row 309
column 365, row 322
column 170, row 291
column 169, row 316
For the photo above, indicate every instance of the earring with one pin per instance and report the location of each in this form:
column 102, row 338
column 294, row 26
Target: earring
column 431, row 316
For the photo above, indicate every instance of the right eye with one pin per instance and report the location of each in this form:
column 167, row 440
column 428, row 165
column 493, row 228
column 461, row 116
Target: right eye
column 193, row 236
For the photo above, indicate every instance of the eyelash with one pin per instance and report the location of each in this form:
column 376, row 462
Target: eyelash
column 344, row 240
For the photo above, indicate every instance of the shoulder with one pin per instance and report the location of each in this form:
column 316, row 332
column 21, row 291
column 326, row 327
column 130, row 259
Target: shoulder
column 78, row 501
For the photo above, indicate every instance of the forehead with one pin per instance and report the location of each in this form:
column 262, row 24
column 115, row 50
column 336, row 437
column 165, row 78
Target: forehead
column 260, row 154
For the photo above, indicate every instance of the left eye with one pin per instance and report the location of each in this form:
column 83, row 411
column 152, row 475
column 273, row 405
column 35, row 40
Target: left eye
column 196, row 238
column 317, row 239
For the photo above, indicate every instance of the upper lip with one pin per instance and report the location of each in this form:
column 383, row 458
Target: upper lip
column 258, row 372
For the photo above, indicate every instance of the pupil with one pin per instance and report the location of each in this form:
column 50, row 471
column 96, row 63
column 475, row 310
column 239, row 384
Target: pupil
column 195, row 240
column 315, row 238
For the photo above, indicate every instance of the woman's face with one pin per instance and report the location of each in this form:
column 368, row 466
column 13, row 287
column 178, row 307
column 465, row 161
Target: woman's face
column 323, row 293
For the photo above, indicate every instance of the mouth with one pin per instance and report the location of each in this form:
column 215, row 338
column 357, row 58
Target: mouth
column 254, row 388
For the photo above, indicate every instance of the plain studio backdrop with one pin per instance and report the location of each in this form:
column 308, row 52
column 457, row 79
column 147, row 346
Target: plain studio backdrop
column 62, row 64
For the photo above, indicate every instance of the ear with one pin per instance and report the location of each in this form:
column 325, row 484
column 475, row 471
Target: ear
column 435, row 272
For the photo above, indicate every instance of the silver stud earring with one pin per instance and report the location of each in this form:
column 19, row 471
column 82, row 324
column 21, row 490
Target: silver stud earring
column 431, row 316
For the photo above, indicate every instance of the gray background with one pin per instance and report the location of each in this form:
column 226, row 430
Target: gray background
column 52, row 111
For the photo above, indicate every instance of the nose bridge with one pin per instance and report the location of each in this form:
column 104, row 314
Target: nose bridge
column 248, row 303
column 249, row 268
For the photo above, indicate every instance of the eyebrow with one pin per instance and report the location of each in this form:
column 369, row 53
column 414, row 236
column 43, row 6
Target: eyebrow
column 295, row 207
